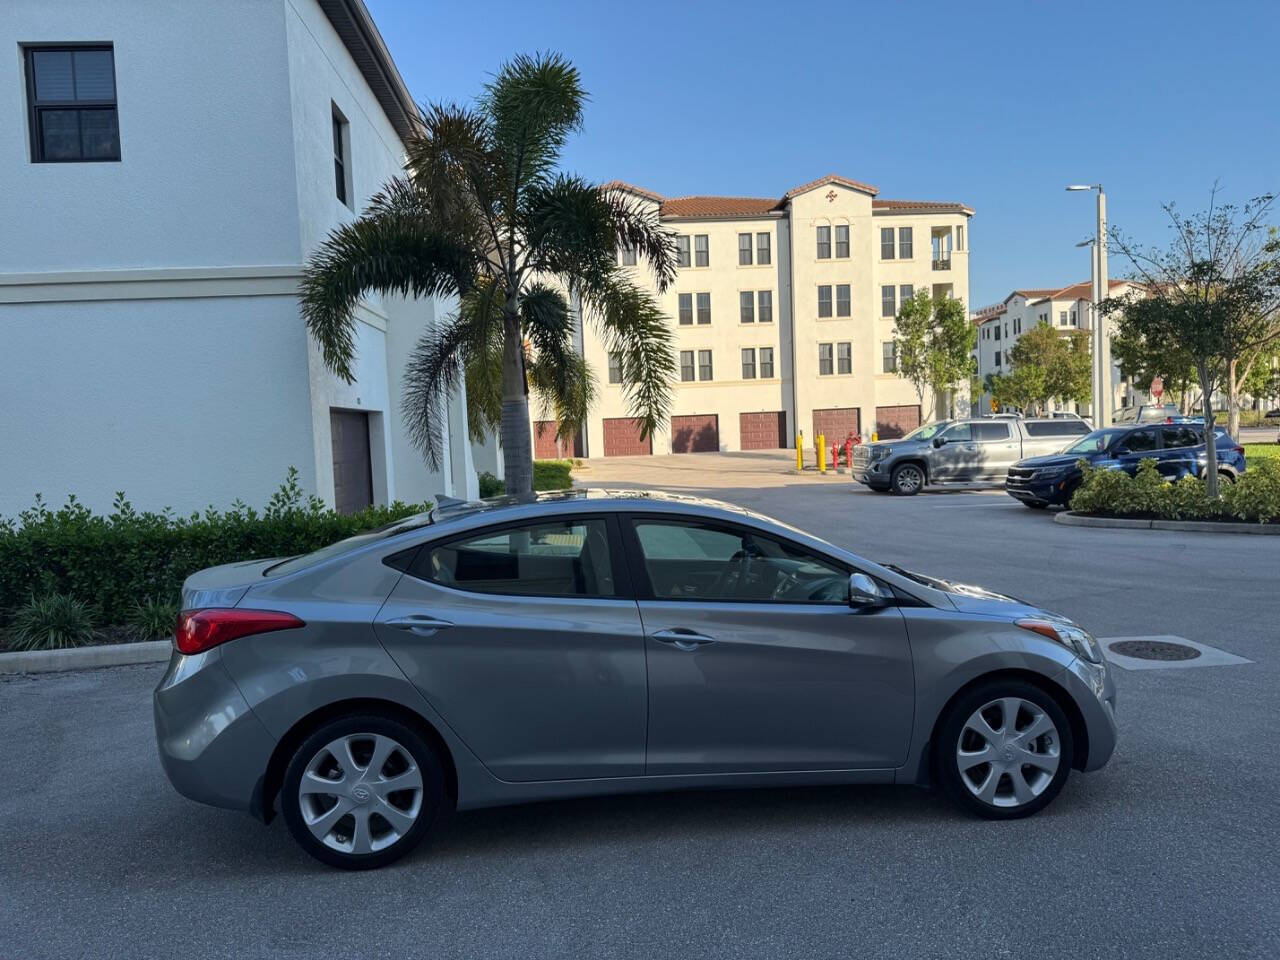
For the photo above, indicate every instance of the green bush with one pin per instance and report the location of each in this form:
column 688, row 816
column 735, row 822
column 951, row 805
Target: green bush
column 51, row 622
column 155, row 618
column 547, row 475
column 1254, row 498
column 490, row 486
column 120, row 560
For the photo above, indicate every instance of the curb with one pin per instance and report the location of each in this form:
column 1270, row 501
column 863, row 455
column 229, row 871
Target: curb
column 85, row 658
column 1072, row 519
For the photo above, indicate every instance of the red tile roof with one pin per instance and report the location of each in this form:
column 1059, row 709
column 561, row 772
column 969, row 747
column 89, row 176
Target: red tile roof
column 719, row 206
column 931, row 206
column 830, row 178
column 632, row 188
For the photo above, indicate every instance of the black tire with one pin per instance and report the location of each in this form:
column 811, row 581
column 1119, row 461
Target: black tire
column 952, row 727
column 1226, row 476
column 901, row 480
column 424, row 756
column 1034, row 505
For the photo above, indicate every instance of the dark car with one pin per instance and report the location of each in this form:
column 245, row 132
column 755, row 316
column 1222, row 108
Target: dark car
column 1177, row 448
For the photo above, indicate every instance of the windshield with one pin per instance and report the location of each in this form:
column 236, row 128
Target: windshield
column 927, row 431
column 1094, row 442
column 294, row 564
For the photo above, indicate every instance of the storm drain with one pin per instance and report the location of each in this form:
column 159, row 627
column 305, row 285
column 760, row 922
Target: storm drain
column 1154, row 650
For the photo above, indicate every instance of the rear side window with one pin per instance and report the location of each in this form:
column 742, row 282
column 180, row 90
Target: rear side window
column 1181, row 436
column 958, row 432
column 991, row 431
column 1140, row 441
column 554, row 558
column 1056, row 428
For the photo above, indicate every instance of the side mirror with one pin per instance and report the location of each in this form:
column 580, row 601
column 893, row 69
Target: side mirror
column 939, row 441
column 864, row 592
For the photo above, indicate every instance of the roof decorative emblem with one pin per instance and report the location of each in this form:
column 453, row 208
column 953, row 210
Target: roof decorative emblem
column 831, row 196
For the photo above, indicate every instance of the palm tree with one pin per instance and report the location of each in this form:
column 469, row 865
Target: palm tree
column 482, row 214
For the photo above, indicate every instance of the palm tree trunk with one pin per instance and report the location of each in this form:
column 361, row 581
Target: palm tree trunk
column 514, row 428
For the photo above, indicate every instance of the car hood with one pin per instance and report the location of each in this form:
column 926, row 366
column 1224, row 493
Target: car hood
column 1051, row 460
column 969, row 598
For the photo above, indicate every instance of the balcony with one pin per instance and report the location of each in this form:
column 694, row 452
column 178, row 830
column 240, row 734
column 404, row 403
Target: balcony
column 942, row 264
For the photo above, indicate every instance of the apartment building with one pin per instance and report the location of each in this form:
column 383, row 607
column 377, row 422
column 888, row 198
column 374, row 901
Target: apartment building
column 1001, row 325
column 783, row 310
column 167, row 170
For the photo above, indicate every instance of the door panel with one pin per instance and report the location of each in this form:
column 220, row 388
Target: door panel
column 352, row 465
column 960, row 458
column 1000, row 449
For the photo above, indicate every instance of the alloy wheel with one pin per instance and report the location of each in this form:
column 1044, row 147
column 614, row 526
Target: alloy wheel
column 908, row 479
column 361, row 793
column 1008, row 752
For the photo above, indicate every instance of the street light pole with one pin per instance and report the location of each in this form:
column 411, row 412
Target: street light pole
column 1102, row 378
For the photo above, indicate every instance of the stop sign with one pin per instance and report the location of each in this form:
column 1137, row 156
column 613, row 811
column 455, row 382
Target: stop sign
column 1157, row 387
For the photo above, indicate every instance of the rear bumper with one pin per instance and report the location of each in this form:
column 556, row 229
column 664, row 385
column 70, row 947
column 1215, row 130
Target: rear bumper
column 212, row 747
column 1094, row 691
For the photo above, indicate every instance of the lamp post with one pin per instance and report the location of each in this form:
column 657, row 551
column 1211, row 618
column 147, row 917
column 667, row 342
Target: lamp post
column 1102, row 386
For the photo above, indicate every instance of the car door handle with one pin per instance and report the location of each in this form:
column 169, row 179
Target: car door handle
column 420, row 624
column 682, row 638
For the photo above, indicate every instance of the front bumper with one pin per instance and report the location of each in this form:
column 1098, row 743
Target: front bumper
column 1094, row 691
column 212, row 746
column 871, row 473
column 1024, row 485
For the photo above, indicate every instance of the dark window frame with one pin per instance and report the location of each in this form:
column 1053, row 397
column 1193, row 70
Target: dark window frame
column 746, row 306
column 36, row 107
column 615, row 366
column 764, row 297
column 760, row 362
column 341, row 158
column 745, row 250
column 764, row 249
column 823, row 245
column 697, row 314
column 708, row 366
column 748, row 354
column 844, row 358
column 681, row 298
column 844, row 305
column 841, row 227
column 692, row 367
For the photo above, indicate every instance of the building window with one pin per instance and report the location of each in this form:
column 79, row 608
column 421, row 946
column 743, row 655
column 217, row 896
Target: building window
column 960, row 237
column 341, row 148
column 842, row 300
column 905, row 248
column 704, row 308
column 704, row 364
column 1062, row 318
column 888, row 308
column 826, row 365
column 842, row 241
column 686, row 365
column 766, row 363
column 747, row 306
column 824, row 301
column 682, row 250
column 765, row 311
column 824, row 243
column 1017, row 326
column 997, row 355
column 686, row 309
column 71, row 99
column 627, row 256
column 905, row 292
column 764, row 249
column 701, row 250
column 615, row 367
column 744, row 249
column 889, row 356
column 748, row 363
column 886, row 243
column 997, row 331
column 844, row 357
column 1074, row 322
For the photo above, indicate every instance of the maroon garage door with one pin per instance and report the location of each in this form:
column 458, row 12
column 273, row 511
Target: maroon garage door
column 698, row 433
column 836, row 423
column 547, row 447
column 622, row 438
column 763, row 431
column 893, row 422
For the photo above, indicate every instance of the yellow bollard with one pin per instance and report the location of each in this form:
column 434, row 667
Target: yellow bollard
column 875, row 437
column 799, row 449
column 822, row 453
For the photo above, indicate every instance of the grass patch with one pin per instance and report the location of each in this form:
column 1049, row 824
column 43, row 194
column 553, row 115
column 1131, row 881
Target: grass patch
column 1255, row 451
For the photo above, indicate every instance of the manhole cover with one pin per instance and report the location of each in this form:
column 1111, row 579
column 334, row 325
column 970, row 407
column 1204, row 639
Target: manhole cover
column 1154, row 650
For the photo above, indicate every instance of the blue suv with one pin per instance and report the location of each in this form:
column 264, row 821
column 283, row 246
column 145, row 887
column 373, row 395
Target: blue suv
column 1177, row 448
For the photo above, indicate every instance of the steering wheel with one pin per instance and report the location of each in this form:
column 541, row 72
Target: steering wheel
column 785, row 585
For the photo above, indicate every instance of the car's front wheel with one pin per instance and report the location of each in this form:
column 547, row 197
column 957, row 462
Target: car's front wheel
column 907, row 479
column 362, row 791
column 1004, row 750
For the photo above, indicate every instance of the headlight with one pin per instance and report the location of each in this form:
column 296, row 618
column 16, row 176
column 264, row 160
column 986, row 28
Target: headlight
column 1069, row 635
column 879, row 453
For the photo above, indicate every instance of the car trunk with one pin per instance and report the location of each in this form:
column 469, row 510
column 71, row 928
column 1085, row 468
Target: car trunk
column 222, row 586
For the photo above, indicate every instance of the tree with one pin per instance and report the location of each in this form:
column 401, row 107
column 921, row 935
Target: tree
column 1022, row 387
column 934, row 341
column 1214, row 294
column 482, row 214
column 1142, row 362
column 1045, row 365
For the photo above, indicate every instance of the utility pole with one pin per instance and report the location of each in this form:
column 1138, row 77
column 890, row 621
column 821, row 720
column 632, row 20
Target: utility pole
column 1102, row 385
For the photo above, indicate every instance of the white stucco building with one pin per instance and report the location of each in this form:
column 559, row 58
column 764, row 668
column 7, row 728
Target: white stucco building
column 783, row 310
column 166, row 170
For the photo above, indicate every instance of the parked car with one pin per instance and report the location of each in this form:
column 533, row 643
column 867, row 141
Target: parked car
column 589, row 642
column 1177, row 448
column 959, row 451
column 1147, row 413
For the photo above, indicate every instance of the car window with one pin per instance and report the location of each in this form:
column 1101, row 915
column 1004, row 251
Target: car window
column 990, row 431
column 687, row 560
column 958, row 431
column 1126, row 415
column 1139, row 441
column 1056, row 428
column 305, row 560
column 1181, row 436
column 556, row 558
column 1095, row 441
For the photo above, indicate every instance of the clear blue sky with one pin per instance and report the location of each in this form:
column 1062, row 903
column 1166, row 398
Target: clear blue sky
column 994, row 105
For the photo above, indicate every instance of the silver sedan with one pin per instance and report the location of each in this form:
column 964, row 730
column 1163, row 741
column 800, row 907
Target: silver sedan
column 595, row 642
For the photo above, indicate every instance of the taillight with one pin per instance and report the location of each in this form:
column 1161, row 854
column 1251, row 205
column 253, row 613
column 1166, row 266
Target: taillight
column 201, row 630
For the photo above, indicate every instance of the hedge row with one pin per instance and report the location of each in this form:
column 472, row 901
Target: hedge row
column 118, row 561
column 1254, row 498
column 547, row 475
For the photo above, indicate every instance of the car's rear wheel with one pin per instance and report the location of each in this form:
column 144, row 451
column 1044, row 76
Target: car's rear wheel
column 907, row 479
column 362, row 791
column 1226, row 476
column 1004, row 750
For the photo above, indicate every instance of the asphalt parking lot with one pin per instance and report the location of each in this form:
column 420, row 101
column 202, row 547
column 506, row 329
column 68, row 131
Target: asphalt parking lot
column 1170, row 851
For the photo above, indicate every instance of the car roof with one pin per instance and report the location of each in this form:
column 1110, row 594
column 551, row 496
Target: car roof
column 593, row 499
